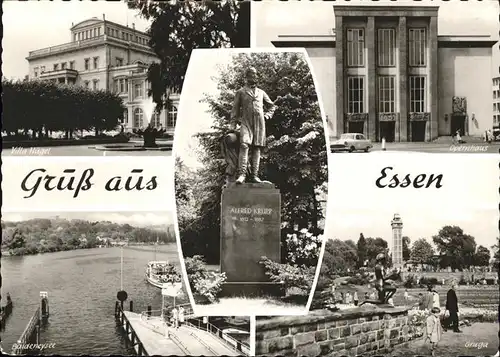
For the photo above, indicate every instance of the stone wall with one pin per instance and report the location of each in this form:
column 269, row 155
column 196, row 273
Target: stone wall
column 365, row 330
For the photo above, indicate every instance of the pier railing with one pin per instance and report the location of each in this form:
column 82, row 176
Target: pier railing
column 231, row 342
column 131, row 335
column 30, row 331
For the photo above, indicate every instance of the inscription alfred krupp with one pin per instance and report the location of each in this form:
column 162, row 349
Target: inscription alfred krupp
column 249, row 214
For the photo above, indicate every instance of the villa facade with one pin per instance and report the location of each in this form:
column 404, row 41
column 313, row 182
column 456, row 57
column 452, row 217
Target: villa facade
column 104, row 55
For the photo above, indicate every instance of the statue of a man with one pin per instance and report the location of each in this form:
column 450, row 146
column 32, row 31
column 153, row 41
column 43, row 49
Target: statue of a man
column 384, row 281
column 252, row 106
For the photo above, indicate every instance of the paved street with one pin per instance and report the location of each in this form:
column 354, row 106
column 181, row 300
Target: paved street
column 442, row 147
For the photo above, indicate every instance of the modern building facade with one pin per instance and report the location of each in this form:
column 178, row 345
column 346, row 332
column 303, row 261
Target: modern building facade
column 397, row 241
column 496, row 102
column 385, row 71
column 103, row 55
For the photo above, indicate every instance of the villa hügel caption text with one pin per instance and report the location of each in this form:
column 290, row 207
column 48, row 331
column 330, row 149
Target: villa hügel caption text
column 76, row 182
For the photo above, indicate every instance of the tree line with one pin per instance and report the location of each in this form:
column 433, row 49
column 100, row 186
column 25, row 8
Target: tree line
column 454, row 249
column 35, row 109
column 52, row 235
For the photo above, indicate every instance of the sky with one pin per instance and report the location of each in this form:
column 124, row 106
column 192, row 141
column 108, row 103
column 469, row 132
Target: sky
column 272, row 18
column 468, row 197
column 140, row 219
column 31, row 25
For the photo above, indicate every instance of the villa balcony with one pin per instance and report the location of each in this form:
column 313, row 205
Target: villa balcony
column 61, row 73
column 77, row 45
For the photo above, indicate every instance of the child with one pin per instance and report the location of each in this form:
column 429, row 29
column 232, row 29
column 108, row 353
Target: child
column 434, row 330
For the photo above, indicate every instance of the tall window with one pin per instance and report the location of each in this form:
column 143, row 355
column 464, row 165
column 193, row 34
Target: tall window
column 56, row 67
column 63, row 65
column 125, row 116
column 138, row 118
column 95, row 84
column 121, row 85
column 156, row 119
column 417, row 94
column 35, row 72
column 87, row 64
column 86, row 84
column 355, row 47
column 119, row 61
column 417, row 47
column 138, row 90
column 172, row 117
column 96, row 62
column 42, row 69
column 72, row 64
column 386, row 94
column 386, row 47
column 356, row 94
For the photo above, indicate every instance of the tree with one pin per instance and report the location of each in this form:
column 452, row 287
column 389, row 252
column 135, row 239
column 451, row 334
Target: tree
column 181, row 26
column 361, row 249
column 296, row 159
column 375, row 246
column 455, row 246
column 421, row 251
column 406, row 248
column 339, row 256
column 482, row 256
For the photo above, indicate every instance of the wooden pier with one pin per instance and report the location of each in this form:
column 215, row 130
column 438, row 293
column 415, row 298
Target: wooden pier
column 151, row 334
column 31, row 333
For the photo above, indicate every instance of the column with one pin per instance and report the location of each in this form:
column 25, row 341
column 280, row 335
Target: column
column 433, row 78
column 403, row 80
column 339, row 75
column 371, row 129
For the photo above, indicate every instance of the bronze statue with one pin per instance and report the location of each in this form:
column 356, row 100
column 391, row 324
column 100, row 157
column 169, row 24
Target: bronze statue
column 230, row 148
column 384, row 282
column 252, row 106
column 150, row 134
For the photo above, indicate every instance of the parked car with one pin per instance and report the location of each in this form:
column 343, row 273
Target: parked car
column 351, row 142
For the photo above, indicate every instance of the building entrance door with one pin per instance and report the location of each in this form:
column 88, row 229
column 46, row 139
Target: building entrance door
column 387, row 130
column 418, row 130
column 356, row 127
column 457, row 123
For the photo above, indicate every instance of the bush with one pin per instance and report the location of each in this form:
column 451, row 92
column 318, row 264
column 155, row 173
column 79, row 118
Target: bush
column 291, row 276
column 430, row 281
column 410, row 282
column 206, row 284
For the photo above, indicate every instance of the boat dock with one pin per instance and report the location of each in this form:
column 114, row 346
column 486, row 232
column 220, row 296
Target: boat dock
column 153, row 335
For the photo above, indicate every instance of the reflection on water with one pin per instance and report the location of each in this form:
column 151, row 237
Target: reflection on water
column 82, row 287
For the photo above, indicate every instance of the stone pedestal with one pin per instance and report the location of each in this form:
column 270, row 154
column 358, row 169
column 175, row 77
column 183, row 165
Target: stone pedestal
column 250, row 229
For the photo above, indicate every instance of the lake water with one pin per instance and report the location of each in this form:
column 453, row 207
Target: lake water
column 82, row 287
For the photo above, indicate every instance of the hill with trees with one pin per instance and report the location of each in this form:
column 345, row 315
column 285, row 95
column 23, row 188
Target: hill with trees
column 52, row 235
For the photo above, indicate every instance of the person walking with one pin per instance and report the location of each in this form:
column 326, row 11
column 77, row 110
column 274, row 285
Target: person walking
column 421, row 302
column 181, row 315
column 406, row 296
column 434, row 329
column 355, row 298
column 452, row 308
column 435, row 299
column 429, row 298
column 175, row 317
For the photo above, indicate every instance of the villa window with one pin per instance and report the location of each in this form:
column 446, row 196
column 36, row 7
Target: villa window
column 56, row 67
column 63, row 65
column 417, row 94
column 156, row 119
column 125, row 116
column 355, row 47
column 119, row 61
column 138, row 118
column 121, row 85
column 72, row 64
column 138, row 90
column 386, row 47
column 96, row 62
column 99, row 31
column 95, row 84
column 355, row 94
column 417, row 47
column 172, row 117
column 87, row 64
column 86, row 84
column 386, row 94
column 35, row 72
column 42, row 69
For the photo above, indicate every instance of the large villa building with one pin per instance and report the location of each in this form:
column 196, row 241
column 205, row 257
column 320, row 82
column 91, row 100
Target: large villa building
column 103, row 55
column 387, row 72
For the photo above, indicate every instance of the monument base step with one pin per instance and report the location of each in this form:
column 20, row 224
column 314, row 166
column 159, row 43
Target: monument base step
column 252, row 289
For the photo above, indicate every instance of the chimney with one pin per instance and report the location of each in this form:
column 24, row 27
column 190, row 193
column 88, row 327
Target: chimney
column 133, row 26
column 104, row 17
